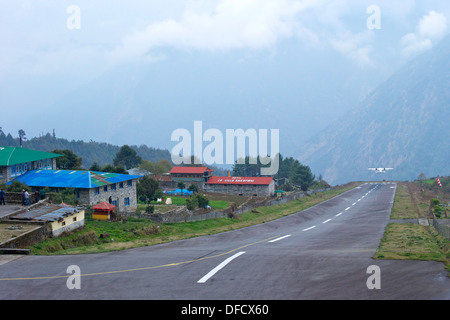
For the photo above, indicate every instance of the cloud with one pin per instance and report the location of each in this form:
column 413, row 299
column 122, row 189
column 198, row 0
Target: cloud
column 231, row 24
column 355, row 47
column 431, row 28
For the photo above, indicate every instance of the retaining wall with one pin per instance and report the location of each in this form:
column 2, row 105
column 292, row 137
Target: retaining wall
column 443, row 227
column 182, row 214
column 28, row 238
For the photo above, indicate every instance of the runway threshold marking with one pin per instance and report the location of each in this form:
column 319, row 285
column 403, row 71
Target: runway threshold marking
column 220, row 266
column 144, row 268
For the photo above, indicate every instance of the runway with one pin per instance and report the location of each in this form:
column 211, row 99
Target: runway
column 322, row 253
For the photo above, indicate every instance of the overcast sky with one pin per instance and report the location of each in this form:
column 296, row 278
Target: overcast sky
column 73, row 42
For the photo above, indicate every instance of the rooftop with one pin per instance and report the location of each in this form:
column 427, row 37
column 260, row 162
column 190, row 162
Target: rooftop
column 198, row 170
column 80, row 179
column 46, row 213
column 14, row 155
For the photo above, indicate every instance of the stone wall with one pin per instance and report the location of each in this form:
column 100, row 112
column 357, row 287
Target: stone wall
column 182, row 214
column 443, row 227
column 16, row 197
column 89, row 197
column 26, row 240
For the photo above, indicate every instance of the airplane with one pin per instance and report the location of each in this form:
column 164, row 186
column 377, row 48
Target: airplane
column 380, row 170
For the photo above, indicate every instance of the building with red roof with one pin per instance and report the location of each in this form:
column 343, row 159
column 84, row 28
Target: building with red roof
column 191, row 175
column 245, row 186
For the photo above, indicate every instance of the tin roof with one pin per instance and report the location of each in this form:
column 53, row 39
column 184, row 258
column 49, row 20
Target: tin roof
column 71, row 178
column 240, row 180
column 46, row 213
column 14, row 155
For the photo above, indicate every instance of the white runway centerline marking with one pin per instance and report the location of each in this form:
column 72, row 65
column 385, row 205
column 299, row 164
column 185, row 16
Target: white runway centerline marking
column 347, row 209
column 280, row 238
column 326, row 221
column 309, row 228
column 220, row 266
column 338, row 214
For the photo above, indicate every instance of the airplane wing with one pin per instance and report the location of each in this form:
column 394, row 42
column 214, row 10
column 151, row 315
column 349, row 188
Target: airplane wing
column 373, row 169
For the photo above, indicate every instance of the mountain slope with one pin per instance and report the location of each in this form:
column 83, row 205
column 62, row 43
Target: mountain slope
column 402, row 124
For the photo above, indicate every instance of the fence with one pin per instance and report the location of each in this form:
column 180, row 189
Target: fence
column 443, row 227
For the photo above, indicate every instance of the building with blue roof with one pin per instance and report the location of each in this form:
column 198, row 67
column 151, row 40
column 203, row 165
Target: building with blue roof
column 91, row 187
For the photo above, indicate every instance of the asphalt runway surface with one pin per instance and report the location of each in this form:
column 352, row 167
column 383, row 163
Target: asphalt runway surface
column 322, row 253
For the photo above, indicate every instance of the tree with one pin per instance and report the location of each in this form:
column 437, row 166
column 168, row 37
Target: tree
column 163, row 166
column 148, row 187
column 202, row 200
column 181, row 185
column 22, row 135
column 127, row 158
column 95, row 167
column 112, row 169
column 422, row 176
column 191, row 203
column 303, row 177
column 68, row 161
column 193, row 188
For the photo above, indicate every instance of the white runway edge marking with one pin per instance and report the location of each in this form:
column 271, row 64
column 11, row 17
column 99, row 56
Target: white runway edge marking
column 280, row 238
column 309, row 228
column 220, row 266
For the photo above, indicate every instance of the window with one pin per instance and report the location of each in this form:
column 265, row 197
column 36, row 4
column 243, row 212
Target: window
column 105, row 188
column 113, row 186
column 126, row 201
column 74, row 219
column 121, row 185
column 129, row 183
column 97, row 190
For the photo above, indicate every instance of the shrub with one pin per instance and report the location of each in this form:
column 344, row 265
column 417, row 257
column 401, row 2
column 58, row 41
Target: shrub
column 202, row 200
column 191, row 203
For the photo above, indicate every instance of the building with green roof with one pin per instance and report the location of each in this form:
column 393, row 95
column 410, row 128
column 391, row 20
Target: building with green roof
column 15, row 161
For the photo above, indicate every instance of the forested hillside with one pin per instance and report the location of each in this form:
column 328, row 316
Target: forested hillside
column 90, row 152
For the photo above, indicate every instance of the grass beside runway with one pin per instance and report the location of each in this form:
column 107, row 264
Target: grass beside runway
column 143, row 232
column 410, row 241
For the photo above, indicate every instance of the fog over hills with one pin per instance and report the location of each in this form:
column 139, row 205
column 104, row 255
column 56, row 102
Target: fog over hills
column 402, row 124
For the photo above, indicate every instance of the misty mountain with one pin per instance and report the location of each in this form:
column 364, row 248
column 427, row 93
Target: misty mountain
column 144, row 103
column 403, row 124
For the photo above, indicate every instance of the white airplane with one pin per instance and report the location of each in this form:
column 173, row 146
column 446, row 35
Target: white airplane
column 380, row 170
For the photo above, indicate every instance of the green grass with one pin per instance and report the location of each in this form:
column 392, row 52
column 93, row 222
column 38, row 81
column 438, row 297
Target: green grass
column 143, row 232
column 403, row 207
column 412, row 242
column 181, row 201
